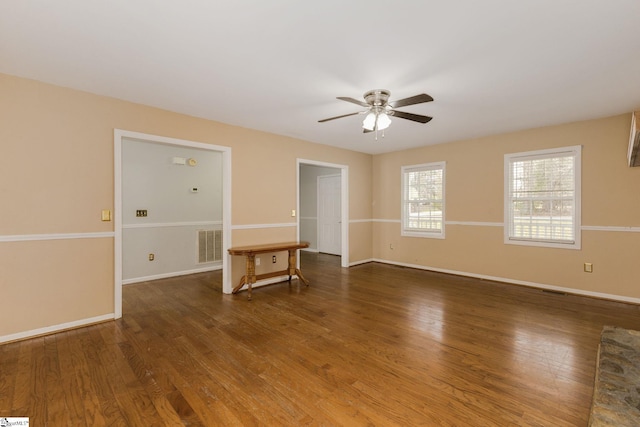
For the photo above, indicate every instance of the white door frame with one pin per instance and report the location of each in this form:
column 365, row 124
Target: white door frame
column 118, row 136
column 344, row 195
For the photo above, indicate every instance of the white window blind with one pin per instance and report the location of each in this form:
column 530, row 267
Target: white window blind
column 423, row 204
column 542, row 197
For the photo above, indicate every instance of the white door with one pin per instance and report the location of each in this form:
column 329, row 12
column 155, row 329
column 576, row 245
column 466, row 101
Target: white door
column 329, row 215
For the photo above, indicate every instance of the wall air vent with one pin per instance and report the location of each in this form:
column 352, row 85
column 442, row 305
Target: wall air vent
column 209, row 246
column 633, row 155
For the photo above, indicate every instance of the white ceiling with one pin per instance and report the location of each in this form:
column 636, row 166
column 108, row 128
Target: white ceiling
column 492, row 66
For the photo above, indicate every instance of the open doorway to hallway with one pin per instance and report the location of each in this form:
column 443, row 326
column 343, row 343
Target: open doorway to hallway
column 323, row 214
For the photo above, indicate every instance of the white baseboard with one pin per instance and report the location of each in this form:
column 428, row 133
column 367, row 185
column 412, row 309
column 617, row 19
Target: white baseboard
column 572, row 291
column 172, row 274
column 98, row 319
column 56, row 328
column 364, row 261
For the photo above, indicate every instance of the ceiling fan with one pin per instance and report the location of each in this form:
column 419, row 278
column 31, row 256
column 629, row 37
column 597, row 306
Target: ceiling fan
column 379, row 109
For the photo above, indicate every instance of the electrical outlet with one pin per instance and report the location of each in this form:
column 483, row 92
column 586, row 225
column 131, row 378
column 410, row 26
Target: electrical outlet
column 257, row 261
column 141, row 212
column 273, row 259
column 588, row 267
column 152, row 257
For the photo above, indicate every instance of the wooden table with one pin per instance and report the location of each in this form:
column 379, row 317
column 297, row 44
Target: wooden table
column 250, row 253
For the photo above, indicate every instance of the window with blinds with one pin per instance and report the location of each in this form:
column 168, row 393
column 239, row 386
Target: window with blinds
column 423, row 204
column 542, row 198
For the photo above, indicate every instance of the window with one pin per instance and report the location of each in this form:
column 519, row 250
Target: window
column 542, row 198
column 423, row 200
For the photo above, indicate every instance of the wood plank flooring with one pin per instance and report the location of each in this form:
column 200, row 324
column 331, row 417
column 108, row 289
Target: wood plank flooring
column 370, row 345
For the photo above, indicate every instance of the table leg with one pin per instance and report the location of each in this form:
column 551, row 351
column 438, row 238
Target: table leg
column 293, row 269
column 251, row 273
column 301, row 277
column 243, row 281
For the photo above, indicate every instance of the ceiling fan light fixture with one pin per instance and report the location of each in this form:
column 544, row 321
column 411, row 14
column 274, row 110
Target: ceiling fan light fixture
column 383, row 121
column 369, row 122
column 379, row 110
column 376, row 121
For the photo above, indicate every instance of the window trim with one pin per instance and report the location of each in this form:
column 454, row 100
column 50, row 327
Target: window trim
column 425, row 234
column 576, row 152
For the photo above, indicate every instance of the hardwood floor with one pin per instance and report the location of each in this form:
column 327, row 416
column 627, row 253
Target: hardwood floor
column 370, row 345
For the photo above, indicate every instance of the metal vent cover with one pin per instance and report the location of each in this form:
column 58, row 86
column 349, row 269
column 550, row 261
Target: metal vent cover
column 209, row 246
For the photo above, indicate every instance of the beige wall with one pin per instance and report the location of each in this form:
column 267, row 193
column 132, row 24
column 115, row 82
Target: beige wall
column 57, row 174
column 474, row 194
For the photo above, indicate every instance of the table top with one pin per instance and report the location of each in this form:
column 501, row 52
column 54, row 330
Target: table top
column 269, row 247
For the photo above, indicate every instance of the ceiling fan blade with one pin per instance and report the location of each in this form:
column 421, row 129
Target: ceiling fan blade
column 417, row 99
column 411, row 116
column 339, row 117
column 354, row 101
column 366, row 131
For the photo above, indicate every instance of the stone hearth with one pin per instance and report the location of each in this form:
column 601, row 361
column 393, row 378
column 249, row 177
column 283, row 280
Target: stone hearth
column 616, row 395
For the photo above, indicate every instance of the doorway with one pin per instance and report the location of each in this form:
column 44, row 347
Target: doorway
column 323, row 207
column 121, row 137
